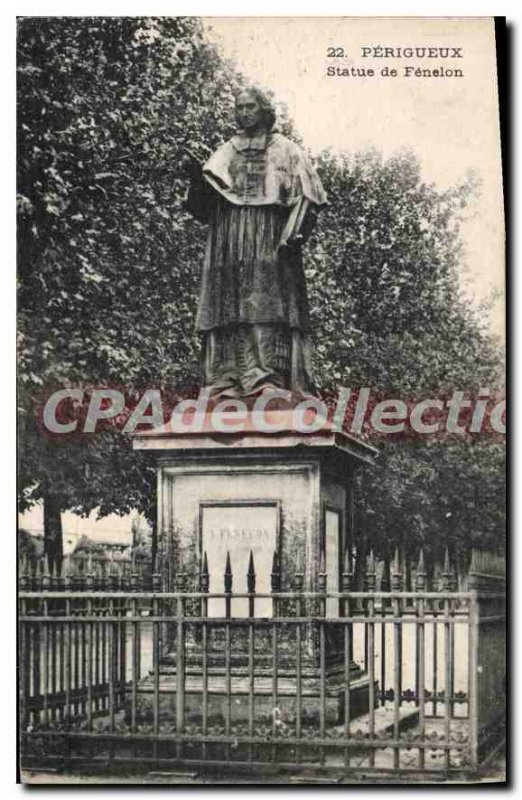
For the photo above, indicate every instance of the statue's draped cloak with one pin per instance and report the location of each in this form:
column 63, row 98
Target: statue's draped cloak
column 267, row 169
column 246, row 278
column 247, row 190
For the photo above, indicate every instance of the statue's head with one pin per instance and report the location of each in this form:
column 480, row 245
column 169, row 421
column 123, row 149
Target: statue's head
column 254, row 110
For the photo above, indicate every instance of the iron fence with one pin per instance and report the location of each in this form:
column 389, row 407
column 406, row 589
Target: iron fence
column 357, row 681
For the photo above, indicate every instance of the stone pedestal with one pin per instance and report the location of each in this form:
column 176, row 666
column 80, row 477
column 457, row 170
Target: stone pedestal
column 286, row 492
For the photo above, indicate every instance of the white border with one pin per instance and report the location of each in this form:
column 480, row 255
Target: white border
column 508, row 8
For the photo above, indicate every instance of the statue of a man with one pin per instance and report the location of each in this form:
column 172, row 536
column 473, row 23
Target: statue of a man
column 259, row 194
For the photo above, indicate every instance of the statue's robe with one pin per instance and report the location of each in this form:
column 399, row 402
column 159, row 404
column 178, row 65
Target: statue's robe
column 253, row 308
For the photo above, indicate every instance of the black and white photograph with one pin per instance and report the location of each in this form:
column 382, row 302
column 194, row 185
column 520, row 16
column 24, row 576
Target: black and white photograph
column 261, row 405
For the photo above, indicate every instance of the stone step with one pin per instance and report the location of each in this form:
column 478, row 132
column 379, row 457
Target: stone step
column 384, row 720
column 216, row 685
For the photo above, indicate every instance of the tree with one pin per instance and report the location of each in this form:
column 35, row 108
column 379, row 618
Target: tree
column 106, row 107
column 383, row 271
column 109, row 267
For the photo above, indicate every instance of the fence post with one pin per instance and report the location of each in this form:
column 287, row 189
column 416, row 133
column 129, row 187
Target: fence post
column 251, row 588
column 251, row 585
column 204, row 585
column 180, row 654
column 396, row 585
column 46, row 577
column 134, row 583
column 420, row 586
column 321, row 588
column 275, row 587
column 346, row 579
column 370, row 610
column 227, row 585
column 473, row 634
column 298, row 588
column 445, row 587
column 486, row 585
column 385, row 587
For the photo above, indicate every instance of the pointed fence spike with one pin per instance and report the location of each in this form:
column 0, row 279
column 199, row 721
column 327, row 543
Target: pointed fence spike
column 25, row 576
column 299, row 572
column 298, row 581
column 22, row 573
column 346, row 579
column 370, row 573
column 156, row 582
column 251, row 574
column 445, row 585
column 347, row 565
column 274, row 575
column 420, row 578
column 46, row 576
column 88, row 573
column 204, row 576
column 179, row 581
column 386, row 576
column 396, row 575
column 322, row 581
column 66, row 570
column 454, row 578
column 228, row 575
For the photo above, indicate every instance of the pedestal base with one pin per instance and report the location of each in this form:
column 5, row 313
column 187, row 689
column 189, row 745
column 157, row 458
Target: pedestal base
column 283, row 707
column 263, row 506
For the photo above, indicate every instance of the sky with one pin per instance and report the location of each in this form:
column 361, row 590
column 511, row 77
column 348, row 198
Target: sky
column 450, row 123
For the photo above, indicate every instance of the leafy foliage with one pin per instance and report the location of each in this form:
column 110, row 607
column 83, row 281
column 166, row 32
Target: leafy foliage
column 108, row 258
column 383, row 274
column 109, row 265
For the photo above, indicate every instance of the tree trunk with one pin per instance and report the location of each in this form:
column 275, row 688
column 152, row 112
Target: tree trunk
column 53, row 538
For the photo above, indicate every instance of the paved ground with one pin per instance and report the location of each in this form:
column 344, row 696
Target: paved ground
column 495, row 773
column 383, row 759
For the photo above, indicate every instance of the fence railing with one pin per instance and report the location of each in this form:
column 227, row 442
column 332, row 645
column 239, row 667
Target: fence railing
column 87, row 570
column 394, row 680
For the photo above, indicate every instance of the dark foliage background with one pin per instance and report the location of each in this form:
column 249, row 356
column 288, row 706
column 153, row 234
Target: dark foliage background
column 109, row 267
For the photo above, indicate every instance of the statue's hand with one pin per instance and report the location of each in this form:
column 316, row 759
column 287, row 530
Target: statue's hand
column 308, row 225
column 296, row 241
column 190, row 165
column 291, row 247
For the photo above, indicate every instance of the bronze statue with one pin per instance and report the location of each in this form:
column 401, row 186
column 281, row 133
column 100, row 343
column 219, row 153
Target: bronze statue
column 259, row 193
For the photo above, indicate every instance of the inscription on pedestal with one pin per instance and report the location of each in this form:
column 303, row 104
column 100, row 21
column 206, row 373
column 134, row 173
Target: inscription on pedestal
column 239, row 529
